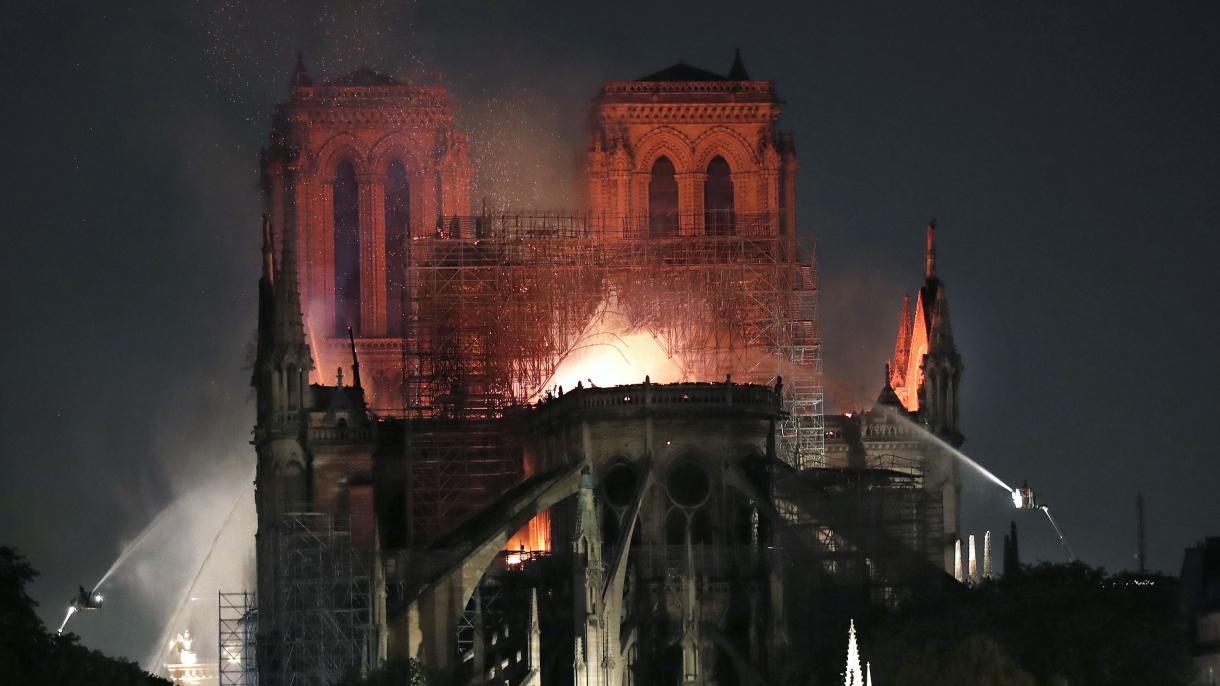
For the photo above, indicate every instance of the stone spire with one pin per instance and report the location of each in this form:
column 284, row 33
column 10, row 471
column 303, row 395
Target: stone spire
column 902, row 346
column 987, row 555
column 738, row 72
column 534, row 666
column 268, row 252
column 300, row 77
column 888, row 397
column 868, row 674
column 282, row 348
column 355, row 361
column 957, row 561
column 289, row 321
column 587, row 584
column 973, row 578
column 266, row 303
column 854, row 676
column 942, row 365
column 929, row 256
column 690, row 619
column 941, row 334
column 1012, row 552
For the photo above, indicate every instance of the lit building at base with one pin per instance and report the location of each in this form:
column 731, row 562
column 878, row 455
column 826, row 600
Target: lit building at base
column 185, row 667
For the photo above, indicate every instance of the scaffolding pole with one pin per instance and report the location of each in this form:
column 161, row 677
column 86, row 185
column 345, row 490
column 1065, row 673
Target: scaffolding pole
column 238, row 625
column 325, row 625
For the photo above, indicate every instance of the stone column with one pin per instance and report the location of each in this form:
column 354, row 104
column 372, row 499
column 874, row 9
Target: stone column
column 696, row 225
column 690, row 203
column 302, row 220
column 787, row 205
column 324, row 231
column 425, row 205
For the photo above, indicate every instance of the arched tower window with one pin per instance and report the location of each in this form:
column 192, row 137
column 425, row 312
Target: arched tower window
column 347, row 249
column 663, row 199
column 397, row 231
column 718, row 199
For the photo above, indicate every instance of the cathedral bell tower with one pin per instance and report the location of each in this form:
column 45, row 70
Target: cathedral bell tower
column 689, row 152
column 357, row 166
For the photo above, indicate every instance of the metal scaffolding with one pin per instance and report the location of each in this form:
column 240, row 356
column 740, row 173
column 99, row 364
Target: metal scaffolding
column 456, row 467
column 325, row 620
column 876, row 528
column 495, row 303
column 238, row 625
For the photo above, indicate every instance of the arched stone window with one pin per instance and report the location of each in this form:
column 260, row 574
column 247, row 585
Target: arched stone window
column 718, row 217
column 675, row 527
column 346, row 197
column 701, row 527
column 663, row 199
column 397, row 232
column 294, row 491
column 610, row 530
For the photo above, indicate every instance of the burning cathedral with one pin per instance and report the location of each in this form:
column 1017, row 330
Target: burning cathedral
column 456, row 467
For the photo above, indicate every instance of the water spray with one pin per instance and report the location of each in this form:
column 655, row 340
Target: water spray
column 954, row 451
column 1059, row 532
column 92, row 600
column 190, row 588
column 1023, row 498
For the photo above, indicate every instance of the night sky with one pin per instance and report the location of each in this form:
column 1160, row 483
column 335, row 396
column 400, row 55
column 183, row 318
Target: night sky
column 1069, row 152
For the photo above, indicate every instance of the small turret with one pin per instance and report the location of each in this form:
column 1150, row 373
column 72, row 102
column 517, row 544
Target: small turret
column 300, row 77
column 738, row 72
column 351, row 339
column 888, row 397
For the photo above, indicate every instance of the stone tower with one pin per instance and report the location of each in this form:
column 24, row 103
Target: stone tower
column 357, row 166
column 687, row 152
column 926, row 370
column 281, row 379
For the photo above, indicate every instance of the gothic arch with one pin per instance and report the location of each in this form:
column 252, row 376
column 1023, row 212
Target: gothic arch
column 394, row 147
column 721, row 141
column 340, row 147
column 666, row 141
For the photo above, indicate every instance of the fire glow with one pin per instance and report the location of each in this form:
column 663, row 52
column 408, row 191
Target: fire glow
column 609, row 353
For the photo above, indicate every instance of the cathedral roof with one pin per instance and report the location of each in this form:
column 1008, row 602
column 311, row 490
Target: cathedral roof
column 364, row 76
column 683, row 72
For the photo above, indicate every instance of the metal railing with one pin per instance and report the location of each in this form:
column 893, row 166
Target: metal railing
column 560, row 225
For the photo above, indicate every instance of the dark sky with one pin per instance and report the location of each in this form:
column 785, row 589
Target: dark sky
column 1068, row 150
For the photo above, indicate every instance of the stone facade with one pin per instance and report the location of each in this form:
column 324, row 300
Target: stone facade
column 677, row 524
column 393, row 148
column 693, row 120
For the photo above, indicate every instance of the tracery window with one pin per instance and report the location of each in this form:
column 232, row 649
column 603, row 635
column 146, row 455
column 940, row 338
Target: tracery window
column 663, row 199
column 397, row 233
column 346, row 197
column 718, row 219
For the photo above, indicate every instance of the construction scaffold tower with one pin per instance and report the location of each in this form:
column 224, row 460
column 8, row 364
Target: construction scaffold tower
column 494, row 304
column 326, row 627
column 238, row 625
column 876, row 528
